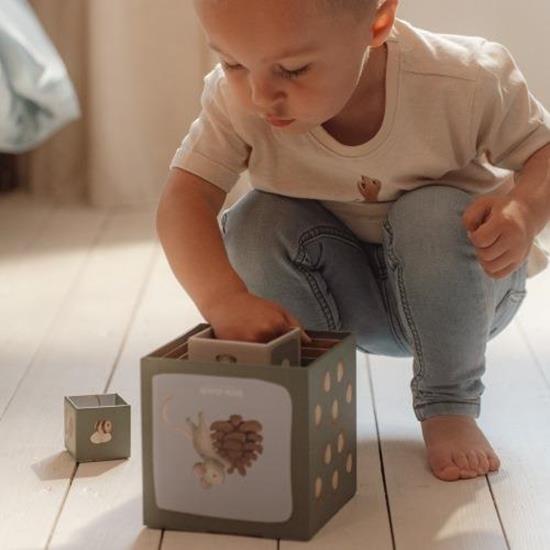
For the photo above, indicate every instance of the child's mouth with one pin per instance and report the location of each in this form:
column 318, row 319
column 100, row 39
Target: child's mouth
column 279, row 122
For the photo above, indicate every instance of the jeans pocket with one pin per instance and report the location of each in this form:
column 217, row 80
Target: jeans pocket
column 223, row 220
column 506, row 310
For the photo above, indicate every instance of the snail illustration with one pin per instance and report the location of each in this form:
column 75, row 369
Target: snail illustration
column 211, row 471
column 102, row 433
column 223, row 447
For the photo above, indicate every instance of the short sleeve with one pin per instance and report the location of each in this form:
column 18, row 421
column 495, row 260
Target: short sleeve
column 213, row 149
column 509, row 123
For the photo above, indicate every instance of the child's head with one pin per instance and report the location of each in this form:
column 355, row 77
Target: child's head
column 258, row 43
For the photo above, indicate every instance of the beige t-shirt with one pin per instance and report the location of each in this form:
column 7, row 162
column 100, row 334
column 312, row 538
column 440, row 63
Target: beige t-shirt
column 452, row 103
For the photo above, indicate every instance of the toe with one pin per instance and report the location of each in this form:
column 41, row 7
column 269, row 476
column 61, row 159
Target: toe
column 483, row 462
column 459, row 458
column 443, row 467
column 473, row 460
column 468, row 474
column 448, row 473
column 494, row 462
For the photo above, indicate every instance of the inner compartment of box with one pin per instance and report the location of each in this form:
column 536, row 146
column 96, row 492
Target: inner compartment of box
column 99, row 400
column 318, row 346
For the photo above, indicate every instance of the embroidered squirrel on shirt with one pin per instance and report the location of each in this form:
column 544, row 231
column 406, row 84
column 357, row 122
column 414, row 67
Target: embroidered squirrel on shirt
column 369, row 189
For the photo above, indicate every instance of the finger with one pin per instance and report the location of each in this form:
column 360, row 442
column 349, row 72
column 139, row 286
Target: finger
column 505, row 272
column 295, row 323
column 476, row 213
column 486, row 234
column 493, row 252
column 499, row 264
column 502, row 272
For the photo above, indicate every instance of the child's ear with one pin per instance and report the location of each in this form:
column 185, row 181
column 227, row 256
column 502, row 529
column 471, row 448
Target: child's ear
column 384, row 19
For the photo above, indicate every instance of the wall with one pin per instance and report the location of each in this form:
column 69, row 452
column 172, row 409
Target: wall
column 137, row 66
column 520, row 25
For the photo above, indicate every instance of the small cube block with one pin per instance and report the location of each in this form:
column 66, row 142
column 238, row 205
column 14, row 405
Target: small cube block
column 251, row 449
column 97, row 427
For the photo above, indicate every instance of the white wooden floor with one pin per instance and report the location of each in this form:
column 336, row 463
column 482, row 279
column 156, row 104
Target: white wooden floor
column 85, row 293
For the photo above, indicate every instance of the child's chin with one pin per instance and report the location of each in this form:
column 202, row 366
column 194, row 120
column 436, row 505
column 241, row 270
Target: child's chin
column 297, row 128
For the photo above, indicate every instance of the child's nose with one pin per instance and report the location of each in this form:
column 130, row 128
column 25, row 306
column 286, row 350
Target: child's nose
column 265, row 95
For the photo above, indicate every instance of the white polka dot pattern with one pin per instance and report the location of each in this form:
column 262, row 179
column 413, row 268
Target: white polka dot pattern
column 335, row 480
column 328, row 454
column 335, row 409
column 339, row 390
column 349, row 463
column 340, row 371
column 349, row 393
column 318, row 487
column 318, row 414
column 327, row 382
column 340, row 442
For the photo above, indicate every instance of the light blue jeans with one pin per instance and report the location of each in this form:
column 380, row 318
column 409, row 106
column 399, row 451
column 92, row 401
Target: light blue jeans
column 421, row 294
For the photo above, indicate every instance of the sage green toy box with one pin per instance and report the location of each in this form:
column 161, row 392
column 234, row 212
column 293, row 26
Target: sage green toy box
column 260, row 450
column 97, row 427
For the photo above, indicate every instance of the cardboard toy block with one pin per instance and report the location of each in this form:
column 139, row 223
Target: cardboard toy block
column 284, row 350
column 97, row 427
column 260, row 449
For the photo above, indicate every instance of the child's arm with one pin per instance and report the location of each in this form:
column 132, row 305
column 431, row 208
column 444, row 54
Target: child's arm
column 503, row 227
column 512, row 128
column 188, row 230
column 533, row 187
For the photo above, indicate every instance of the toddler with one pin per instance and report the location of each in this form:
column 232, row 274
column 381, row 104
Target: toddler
column 401, row 187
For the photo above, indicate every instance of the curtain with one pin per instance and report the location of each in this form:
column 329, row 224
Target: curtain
column 137, row 67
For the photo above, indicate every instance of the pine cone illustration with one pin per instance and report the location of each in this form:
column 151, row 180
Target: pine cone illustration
column 238, row 441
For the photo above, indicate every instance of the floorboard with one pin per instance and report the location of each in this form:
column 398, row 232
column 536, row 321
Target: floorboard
column 86, row 293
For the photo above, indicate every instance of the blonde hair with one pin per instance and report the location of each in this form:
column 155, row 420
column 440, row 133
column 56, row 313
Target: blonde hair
column 358, row 8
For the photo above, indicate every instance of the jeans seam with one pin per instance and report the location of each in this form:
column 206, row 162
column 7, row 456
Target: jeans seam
column 382, row 271
column 396, row 334
column 299, row 261
column 515, row 305
column 317, row 293
column 421, row 410
column 382, row 275
column 406, row 308
column 514, row 297
column 223, row 221
column 322, row 231
column 476, row 401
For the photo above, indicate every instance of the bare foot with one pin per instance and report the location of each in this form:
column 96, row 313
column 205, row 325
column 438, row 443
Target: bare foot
column 457, row 448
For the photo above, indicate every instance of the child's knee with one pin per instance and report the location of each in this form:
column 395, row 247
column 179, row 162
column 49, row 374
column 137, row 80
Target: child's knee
column 428, row 221
column 269, row 220
column 256, row 213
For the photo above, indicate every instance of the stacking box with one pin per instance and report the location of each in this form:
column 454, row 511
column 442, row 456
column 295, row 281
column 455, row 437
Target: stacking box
column 97, row 427
column 252, row 449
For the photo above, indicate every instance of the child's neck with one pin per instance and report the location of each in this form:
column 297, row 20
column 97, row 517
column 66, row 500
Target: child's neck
column 363, row 115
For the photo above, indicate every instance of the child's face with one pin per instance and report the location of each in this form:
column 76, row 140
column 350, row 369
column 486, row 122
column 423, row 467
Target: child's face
column 257, row 36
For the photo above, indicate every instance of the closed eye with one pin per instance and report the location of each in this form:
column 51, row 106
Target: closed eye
column 284, row 72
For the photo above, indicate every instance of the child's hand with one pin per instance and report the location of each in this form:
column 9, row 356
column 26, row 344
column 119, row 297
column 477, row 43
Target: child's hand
column 249, row 318
column 500, row 228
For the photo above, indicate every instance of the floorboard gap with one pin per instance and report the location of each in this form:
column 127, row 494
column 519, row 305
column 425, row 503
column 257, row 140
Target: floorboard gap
column 54, row 316
column 62, row 505
column 386, row 495
column 532, row 351
column 137, row 304
column 498, row 513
